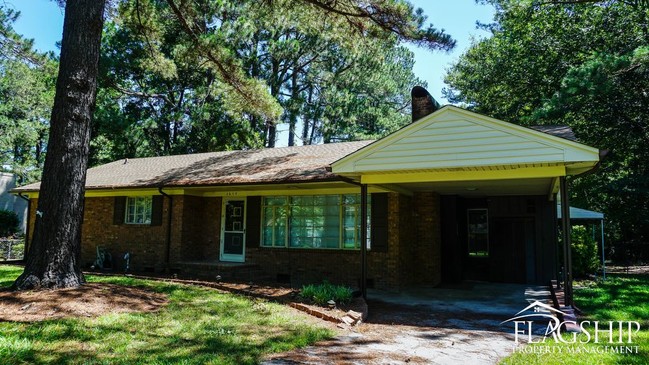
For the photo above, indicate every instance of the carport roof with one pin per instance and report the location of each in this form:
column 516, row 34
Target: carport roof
column 581, row 214
column 454, row 144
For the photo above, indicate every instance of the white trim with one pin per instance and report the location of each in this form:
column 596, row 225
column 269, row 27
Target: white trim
column 230, row 257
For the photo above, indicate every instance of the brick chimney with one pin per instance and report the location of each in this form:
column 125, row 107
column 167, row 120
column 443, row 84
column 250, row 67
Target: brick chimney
column 422, row 103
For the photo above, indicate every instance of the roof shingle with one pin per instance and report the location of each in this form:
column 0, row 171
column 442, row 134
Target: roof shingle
column 270, row 165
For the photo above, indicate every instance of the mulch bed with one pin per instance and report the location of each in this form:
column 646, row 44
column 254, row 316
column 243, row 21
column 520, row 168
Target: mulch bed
column 270, row 292
column 89, row 300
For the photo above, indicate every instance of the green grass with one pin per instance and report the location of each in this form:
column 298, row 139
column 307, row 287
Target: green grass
column 322, row 293
column 198, row 326
column 619, row 298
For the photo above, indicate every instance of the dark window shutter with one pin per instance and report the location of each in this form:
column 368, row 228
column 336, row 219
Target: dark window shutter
column 253, row 221
column 156, row 210
column 379, row 223
column 119, row 209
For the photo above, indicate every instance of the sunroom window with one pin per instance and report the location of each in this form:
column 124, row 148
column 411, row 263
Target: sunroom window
column 311, row 221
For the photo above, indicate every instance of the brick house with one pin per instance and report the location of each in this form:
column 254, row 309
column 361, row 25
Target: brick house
column 452, row 196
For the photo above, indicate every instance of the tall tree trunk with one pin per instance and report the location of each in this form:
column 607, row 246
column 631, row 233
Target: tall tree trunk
column 295, row 94
column 53, row 257
column 275, row 87
column 305, row 127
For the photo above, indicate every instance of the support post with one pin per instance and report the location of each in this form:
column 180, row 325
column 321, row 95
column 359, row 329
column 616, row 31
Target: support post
column 603, row 256
column 363, row 242
column 567, row 242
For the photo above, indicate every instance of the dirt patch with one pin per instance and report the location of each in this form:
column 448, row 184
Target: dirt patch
column 89, row 300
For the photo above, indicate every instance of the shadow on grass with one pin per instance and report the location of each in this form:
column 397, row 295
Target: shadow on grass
column 198, row 326
column 620, row 297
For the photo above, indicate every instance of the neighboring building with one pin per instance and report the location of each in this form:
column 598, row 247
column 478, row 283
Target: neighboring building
column 454, row 195
column 11, row 202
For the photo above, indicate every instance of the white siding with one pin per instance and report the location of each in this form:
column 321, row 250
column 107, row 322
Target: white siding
column 455, row 138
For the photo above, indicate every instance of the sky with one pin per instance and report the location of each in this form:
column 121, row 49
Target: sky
column 42, row 20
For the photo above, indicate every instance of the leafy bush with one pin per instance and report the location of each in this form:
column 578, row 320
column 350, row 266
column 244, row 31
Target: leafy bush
column 8, row 223
column 585, row 259
column 322, row 293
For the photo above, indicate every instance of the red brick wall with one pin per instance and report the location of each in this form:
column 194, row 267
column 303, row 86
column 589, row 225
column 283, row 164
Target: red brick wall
column 200, row 232
column 424, row 247
column 413, row 254
column 146, row 244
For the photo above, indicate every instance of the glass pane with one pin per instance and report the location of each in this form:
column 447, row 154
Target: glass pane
column 275, row 200
column 352, row 199
column 268, row 216
column 280, row 233
column 333, row 200
column 267, row 236
column 478, row 232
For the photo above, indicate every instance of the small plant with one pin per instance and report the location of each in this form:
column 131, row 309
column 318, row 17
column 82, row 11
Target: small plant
column 322, row 293
column 584, row 252
column 9, row 222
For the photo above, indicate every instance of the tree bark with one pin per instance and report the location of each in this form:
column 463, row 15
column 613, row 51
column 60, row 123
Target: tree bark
column 53, row 257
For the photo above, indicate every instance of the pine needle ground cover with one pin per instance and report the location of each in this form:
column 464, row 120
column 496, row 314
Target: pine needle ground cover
column 196, row 326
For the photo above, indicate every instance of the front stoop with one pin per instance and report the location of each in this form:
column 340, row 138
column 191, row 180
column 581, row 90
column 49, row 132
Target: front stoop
column 569, row 318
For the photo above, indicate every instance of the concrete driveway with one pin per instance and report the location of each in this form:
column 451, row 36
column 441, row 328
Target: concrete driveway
column 450, row 325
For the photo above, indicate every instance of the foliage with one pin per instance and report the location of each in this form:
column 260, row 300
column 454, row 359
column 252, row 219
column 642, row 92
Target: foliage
column 585, row 259
column 619, row 298
column 9, row 222
column 26, row 96
column 162, row 91
column 322, row 293
column 197, row 326
column 584, row 64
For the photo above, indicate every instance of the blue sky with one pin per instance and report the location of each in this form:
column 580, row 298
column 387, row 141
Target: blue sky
column 42, row 20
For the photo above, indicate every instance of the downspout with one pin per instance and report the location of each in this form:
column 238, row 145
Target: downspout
column 364, row 240
column 169, row 216
column 29, row 216
column 603, row 255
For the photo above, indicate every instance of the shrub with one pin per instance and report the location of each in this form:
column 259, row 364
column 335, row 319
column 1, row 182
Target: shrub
column 322, row 293
column 8, row 223
column 585, row 259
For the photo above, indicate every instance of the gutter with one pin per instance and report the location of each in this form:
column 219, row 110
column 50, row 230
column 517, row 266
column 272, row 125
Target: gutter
column 168, row 243
column 602, row 156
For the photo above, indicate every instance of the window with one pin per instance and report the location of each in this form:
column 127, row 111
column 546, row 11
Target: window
column 478, row 232
column 274, row 221
column 138, row 210
column 312, row 221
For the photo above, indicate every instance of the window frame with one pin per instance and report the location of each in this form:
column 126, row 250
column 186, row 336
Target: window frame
column 146, row 214
column 288, row 203
column 477, row 253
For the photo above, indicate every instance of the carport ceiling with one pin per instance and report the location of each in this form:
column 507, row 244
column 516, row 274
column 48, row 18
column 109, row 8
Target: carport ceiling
column 485, row 187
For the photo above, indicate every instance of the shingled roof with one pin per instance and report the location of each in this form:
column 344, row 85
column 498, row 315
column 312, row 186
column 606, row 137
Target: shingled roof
column 270, row 165
column 562, row 131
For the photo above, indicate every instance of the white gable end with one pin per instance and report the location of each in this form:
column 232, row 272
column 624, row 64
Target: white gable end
column 455, row 138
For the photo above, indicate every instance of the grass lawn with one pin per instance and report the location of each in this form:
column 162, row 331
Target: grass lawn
column 619, row 298
column 198, row 326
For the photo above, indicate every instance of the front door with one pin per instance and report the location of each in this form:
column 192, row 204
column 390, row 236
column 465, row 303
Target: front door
column 233, row 230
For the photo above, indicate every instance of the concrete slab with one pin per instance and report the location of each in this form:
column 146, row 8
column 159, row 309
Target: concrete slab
column 475, row 297
column 424, row 325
